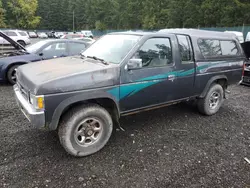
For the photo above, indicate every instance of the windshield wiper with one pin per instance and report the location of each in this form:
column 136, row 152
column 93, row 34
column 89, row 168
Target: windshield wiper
column 82, row 56
column 99, row 59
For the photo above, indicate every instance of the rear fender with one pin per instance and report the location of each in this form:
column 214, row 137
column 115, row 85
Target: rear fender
column 210, row 82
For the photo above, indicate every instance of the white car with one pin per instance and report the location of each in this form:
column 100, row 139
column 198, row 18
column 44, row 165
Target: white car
column 19, row 36
column 238, row 34
column 86, row 39
column 87, row 33
column 42, row 35
column 59, row 34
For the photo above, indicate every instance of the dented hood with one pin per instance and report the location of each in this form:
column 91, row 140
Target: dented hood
column 66, row 74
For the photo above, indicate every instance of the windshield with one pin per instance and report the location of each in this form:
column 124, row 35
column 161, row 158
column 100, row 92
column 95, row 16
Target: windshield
column 34, row 47
column 112, row 48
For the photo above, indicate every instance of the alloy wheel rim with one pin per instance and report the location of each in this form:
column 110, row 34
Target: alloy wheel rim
column 13, row 75
column 88, row 132
column 214, row 100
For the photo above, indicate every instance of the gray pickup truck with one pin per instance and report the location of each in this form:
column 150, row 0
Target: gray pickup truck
column 82, row 97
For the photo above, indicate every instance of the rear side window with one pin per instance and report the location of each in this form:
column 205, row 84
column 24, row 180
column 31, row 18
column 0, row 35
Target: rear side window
column 229, row 48
column 216, row 48
column 22, row 34
column 11, row 33
column 185, row 48
column 210, row 48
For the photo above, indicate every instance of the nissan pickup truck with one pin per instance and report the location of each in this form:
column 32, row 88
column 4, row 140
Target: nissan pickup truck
column 83, row 97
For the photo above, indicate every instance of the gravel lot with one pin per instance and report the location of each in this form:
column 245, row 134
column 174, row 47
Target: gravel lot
column 170, row 147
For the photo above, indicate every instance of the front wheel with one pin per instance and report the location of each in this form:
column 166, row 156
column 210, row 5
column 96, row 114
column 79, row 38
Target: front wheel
column 11, row 74
column 211, row 103
column 85, row 130
column 22, row 43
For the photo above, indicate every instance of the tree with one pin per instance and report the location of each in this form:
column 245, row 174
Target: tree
column 21, row 13
column 2, row 16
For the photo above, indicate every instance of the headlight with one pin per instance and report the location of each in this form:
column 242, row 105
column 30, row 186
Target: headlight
column 37, row 101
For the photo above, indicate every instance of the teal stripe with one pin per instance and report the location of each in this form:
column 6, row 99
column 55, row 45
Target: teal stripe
column 133, row 88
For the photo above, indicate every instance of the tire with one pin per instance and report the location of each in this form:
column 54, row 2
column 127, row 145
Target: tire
column 207, row 105
column 11, row 74
column 74, row 132
column 21, row 42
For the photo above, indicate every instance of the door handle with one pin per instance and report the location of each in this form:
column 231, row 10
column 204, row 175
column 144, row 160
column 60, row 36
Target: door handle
column 171, row 77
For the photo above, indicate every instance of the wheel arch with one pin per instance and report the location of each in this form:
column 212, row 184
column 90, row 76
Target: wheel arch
column 8, row 66
column 21, row 40
column 108, row 103
column 220, row 79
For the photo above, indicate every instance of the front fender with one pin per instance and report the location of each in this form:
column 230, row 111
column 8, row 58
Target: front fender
column 68, row 100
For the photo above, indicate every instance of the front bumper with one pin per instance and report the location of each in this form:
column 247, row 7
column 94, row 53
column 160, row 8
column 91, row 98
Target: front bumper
column 37, row 118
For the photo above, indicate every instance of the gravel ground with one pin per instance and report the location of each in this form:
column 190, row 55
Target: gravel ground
column 170, row 147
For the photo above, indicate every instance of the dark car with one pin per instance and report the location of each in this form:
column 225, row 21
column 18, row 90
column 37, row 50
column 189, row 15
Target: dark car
column 51, row 34
column 123, row 74
column 42, row 50
column 246, row 73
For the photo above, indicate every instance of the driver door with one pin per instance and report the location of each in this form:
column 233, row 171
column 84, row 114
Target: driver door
column 55, row 50
column 154, row 82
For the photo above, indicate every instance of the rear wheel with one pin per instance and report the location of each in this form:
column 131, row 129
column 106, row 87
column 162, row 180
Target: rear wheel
column 11, row 74
column 85, row 130
column 211, row 103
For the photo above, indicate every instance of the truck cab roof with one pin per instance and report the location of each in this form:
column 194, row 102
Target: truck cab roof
column 200, row 33
column 196, row 33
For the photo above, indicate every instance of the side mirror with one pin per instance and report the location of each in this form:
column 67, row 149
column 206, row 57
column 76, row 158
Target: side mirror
column 40, row 54
column 134, row 64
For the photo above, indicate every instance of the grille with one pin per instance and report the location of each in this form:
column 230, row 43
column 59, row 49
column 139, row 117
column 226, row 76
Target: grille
column 23, row 91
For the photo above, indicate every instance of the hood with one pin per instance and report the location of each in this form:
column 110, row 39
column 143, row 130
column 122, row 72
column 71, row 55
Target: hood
column 66, row 74
column 12, row 42
column 246, row 48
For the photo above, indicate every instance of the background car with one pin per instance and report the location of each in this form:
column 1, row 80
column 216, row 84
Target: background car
column 87, row 33
column 51, row 34
column 59, row 34
column 42, row 50
column 86, row 39
column 42, row 35
column 246, row 72
column 72, row 36
column 32, row 34
column 17, row 35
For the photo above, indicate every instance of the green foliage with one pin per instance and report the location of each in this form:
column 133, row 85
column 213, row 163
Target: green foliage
column 100, row 26
column 21, row 14
column 2, row 16
column 123, row 14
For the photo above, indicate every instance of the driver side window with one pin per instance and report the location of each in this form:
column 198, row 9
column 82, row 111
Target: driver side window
column 155, row 52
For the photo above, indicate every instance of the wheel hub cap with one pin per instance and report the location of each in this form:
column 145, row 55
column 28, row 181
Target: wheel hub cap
column 214, row 100
column 88, row 131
